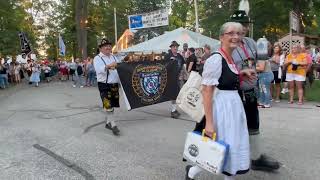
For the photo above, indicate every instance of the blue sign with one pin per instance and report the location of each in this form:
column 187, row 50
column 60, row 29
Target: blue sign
column 135, row 22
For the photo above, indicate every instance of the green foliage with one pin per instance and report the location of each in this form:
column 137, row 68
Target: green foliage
column 271, row 18
column 180, row 11
column 142, row 6
column 312, row 93
column 215, row 13
column 13, row 19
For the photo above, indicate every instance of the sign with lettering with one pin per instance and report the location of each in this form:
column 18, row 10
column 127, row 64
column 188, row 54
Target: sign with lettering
column 148, row 20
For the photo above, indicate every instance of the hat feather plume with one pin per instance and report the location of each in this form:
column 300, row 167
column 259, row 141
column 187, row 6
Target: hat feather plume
column 244, row 5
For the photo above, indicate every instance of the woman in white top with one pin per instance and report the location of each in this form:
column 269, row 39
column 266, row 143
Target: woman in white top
column 17, row 69
column 275, row 63
column 225, row 115
column 47, row 71
column 35, row 76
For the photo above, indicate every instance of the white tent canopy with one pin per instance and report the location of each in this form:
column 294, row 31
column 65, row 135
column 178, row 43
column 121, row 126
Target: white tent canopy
column 161, row 43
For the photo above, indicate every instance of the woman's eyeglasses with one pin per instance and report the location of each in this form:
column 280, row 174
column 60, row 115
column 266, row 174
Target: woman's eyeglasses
column 232, row 33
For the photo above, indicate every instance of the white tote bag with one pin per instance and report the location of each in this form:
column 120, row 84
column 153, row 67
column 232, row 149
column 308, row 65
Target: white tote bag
column 190, row 97
column 205, row 153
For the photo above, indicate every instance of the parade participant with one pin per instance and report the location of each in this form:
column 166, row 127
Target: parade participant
column 174, row 55
column 35, row 76
column 11, row 72
column 47, row 71
column 245, row 56
column 205, row 56
column 185, row 51
column 17, row 68
column 309, row 71
column 28, row 67
column 73, row 68
column 183, row 77
column 275, row 64
column 225, row 116
column 77, row 77
column 105, row 64
column 296, row 64
column 284, row 72
column 191, row 62
column 91, row 73
column 3, row 76
column 207, row 53
column 265, row 78
column 63, row 70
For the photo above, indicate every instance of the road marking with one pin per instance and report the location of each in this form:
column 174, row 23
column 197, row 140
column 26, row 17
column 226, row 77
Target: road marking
column 65, row 162
column 87, row 129
column 69, row 115
column 155, row 114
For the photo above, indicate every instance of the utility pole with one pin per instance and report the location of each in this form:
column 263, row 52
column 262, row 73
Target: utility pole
column 115, row 28
column 197, row 18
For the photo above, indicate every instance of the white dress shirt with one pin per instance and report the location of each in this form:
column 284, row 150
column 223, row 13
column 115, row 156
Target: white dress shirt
column 101, row 71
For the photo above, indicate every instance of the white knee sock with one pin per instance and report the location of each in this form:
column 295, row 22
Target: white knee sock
column 173, row 107
column 229, row 178
column 110, row 118
column 194, row 171
column 255, row 147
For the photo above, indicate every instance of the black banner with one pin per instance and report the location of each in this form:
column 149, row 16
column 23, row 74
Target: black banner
column 149, row 82
column 24, row 43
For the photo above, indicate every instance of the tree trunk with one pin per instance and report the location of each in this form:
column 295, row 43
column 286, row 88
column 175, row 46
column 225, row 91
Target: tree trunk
column 297, row 9
column 78, row 24
column 84, row 29
column 81, row 17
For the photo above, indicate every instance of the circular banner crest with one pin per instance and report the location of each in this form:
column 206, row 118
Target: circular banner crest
column 149, row 82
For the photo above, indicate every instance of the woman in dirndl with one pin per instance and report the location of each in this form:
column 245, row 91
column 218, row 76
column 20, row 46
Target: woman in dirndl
column 225, row 115
column 35, row 76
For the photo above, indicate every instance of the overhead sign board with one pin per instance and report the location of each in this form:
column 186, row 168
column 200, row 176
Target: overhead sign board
column 148, row 20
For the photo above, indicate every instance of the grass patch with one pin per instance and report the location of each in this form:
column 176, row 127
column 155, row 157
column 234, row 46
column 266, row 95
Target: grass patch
column 312, row 93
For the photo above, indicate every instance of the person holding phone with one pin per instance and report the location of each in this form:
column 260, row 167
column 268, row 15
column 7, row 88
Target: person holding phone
column 296, row 65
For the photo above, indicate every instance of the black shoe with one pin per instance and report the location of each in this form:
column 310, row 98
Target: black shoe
column 254, row 132
column 187, row 172
column 265, row 163
column 175, row 114
column 115, row 130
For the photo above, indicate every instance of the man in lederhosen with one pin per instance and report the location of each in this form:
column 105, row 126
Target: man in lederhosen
column 175, row 56
column 245, row 56
column 105, row 64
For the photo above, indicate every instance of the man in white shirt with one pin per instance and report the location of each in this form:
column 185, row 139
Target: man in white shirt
column 107, row 76
column 73, row 68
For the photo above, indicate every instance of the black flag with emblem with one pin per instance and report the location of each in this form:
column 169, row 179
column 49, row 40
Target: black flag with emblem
column 24, row 43
column 148, row 82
